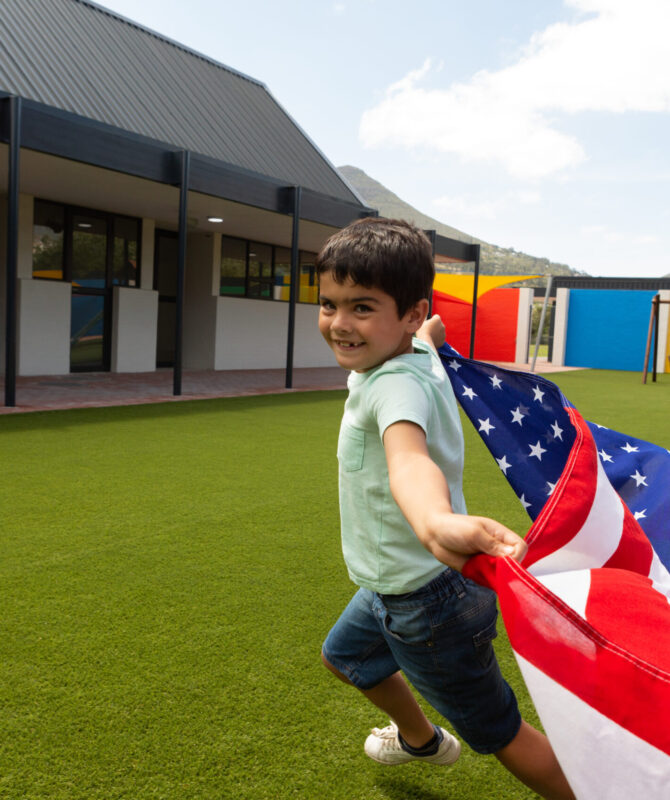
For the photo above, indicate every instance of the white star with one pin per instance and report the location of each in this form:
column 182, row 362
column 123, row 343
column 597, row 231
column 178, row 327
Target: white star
column 557, row 431
column 629, row 448
column 551, row 486
column 641, row 514
column 524, row 502
column 517, row 416
column 639, row 479
column 502, row 463
column 605, row 456
column 468, row 392
column 495, row 380
column 539, row 394
column 485, row 425
column 536, row 450
column 454, row 365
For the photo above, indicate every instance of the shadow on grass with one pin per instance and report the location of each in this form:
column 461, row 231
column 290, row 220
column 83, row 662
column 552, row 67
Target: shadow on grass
column 400, row 788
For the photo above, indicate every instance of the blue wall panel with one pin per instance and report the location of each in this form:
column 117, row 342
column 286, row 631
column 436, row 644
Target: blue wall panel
column 607, row 329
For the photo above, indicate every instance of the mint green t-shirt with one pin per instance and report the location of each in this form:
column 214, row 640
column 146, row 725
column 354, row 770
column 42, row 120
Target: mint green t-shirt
column 380, row 549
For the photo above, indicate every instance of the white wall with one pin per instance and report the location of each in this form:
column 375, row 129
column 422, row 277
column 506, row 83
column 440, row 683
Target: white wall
column 310, row 348
column 560, row 326
column 250, row 334
column 523, row 325
column 43, row 330
column 134, row 324
column 663, row 319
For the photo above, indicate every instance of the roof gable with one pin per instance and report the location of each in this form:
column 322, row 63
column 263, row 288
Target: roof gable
column 79, row 57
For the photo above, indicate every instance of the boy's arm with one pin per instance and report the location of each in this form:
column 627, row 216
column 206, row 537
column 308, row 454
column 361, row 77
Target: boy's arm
column 421, row 491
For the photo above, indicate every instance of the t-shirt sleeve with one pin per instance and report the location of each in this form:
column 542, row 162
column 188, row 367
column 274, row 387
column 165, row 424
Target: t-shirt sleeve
column 398, row 397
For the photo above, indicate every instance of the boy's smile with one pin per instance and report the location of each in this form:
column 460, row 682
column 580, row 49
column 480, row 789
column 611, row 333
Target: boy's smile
column 361, row 324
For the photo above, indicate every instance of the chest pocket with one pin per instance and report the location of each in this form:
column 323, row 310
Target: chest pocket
column 350, row 448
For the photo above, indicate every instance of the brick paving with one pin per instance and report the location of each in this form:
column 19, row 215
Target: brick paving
column 95, row 389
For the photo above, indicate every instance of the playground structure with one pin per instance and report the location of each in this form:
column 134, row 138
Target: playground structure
column 652, row 336
column 600, row 323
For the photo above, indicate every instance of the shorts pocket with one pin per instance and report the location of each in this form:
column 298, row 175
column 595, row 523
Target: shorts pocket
column 483, row 642
column 409, row 625
column 350, row 448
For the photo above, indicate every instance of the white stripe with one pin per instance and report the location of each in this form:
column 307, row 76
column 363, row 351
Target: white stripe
column 597, row 540
column 660, row 578
column 572, row 587
column 599, row 758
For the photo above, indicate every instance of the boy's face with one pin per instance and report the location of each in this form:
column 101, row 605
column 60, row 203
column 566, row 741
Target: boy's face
column 361, row 325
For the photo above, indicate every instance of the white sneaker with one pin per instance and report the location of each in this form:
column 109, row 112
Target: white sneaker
column 383, row 746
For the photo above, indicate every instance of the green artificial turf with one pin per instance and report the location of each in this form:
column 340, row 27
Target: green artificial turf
column 168, row 574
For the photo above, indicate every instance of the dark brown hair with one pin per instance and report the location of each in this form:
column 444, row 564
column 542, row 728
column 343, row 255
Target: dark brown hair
column 387, row 254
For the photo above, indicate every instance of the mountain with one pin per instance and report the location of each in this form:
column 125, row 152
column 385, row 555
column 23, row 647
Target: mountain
column 494, row 260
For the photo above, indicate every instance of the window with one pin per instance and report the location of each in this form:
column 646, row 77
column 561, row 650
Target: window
column 254, row 269
column 233, row 266
column 48, row 228
column 125, row 263
column 89, row 251
column 89, row 248
column 282, row 280
column 309, row 290
column 260, row 270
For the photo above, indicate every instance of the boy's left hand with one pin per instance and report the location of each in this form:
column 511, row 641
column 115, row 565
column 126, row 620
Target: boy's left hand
column 456, row 537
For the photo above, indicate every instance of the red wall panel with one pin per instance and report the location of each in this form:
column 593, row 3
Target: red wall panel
column 497, row 314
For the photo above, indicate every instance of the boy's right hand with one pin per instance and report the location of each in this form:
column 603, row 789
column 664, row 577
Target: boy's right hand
column 433, row 331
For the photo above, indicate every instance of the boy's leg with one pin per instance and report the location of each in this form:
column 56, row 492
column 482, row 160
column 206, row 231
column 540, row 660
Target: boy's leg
column 530, row 758
column 394, row 697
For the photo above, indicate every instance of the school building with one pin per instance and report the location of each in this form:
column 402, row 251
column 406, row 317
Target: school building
column 157, row 208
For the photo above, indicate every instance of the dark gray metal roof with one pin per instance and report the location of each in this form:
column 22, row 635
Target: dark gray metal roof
column 79, row 57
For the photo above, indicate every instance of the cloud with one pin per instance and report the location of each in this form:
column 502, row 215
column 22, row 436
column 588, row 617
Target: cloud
column 463, row 207
column 614, row 58
column 609, row 235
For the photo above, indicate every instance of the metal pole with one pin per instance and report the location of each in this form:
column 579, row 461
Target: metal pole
column 294, row 289
column 648, row 346
column 541, row 325
column 431, row 235
column 657, row 306
column 473, row 321
column 12, row 248
column 181, row 267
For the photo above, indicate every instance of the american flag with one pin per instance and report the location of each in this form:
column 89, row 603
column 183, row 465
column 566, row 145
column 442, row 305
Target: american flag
column 588, row 610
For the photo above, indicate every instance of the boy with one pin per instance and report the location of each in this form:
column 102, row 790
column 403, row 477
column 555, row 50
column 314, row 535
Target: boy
column 405, row 529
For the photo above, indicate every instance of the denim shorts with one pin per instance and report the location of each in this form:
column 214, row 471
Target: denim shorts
column 441, row 637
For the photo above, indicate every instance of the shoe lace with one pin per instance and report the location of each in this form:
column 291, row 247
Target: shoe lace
column 388, row 735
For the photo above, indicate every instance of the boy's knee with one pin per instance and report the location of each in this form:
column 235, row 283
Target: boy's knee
column 333, row 669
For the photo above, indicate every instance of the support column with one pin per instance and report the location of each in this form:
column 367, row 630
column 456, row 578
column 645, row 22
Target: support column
column 295, row 285
column 431, row 236
column 473, row 323
column 14, row 104
column 181, row 267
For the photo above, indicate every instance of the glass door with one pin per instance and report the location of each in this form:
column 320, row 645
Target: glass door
column 90, row 321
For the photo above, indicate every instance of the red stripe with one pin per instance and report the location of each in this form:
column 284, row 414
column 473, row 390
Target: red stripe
column 568, row 506
column 625, row 608
column 604, row 672
column 634, row 552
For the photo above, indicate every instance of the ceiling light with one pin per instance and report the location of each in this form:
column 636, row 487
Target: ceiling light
column 214, row 219
column 84, row 225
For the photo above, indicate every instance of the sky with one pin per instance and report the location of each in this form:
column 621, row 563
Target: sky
column 542, row 125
